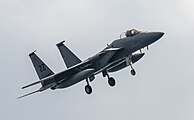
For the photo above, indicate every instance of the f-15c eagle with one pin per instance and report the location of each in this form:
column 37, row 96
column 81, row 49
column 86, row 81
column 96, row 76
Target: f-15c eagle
column 119, row 54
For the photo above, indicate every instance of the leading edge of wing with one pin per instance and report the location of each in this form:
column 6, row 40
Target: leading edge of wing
column 112, row 49
column 109, row 50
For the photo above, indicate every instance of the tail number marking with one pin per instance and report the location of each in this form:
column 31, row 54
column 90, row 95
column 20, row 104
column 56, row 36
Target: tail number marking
column 42, row 67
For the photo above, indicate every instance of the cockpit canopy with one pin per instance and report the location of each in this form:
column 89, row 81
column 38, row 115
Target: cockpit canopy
column 131, row 32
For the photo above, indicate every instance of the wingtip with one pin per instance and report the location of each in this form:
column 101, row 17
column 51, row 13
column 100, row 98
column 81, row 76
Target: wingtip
column 19, row 97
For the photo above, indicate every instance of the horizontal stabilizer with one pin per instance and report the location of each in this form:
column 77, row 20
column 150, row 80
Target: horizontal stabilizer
column 37, row 82
column 28, row 94
column 31, row 84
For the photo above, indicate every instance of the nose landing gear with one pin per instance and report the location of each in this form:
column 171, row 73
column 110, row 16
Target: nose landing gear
column 129, row 63
column 88, row 88
column 132, row 71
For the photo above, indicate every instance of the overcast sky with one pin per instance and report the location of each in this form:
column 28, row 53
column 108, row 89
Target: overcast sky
column 163, row 88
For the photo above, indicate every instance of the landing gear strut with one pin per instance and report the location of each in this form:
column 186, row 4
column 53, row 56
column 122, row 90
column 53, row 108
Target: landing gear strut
column 88, row 88
column 111, row 80
column 132, row 71
column 129, row 63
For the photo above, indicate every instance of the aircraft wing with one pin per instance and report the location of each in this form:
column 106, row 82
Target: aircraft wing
column 64, row 74
column 105, row 56
column 72, row 70
column 39, row 90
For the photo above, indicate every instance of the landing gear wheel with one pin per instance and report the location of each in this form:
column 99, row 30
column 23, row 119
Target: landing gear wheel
column 133, row 72
column 111, row 81
column 88, row 89
column 53, row 88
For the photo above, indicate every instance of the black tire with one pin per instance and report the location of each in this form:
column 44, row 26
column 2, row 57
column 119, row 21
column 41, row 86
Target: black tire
column 133, row 72
column 111, row 82
column 53, row 88
column 88, row 89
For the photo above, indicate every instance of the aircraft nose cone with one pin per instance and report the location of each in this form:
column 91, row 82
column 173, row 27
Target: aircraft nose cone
column 154, row 36
column 158, row 35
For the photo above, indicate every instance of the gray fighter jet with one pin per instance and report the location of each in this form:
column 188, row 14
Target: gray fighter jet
column 119, row 54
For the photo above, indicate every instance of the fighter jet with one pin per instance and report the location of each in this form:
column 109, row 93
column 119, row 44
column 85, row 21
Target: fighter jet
column 120, row 54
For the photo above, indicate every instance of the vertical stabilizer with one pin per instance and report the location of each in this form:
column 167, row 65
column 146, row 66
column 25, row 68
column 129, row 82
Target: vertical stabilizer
column 41, row 68
column 69, row 57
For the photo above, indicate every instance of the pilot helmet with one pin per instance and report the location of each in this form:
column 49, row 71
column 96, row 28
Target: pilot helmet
column 129, row 33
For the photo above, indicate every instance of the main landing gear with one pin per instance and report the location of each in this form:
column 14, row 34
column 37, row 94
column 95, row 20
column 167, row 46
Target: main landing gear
column 88, row 88
column 111, row 80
